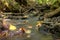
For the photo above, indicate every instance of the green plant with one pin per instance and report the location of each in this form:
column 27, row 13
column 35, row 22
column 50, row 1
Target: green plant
column 48, row 2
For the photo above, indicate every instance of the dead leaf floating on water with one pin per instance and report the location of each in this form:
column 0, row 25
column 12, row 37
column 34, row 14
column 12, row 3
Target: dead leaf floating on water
column 28, row 31
column 12, row 27
column 39, row 23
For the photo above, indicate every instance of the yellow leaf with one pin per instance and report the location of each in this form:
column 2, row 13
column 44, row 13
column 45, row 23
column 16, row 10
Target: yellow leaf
column 28, row 31
column 6, row 4
column 12, row 27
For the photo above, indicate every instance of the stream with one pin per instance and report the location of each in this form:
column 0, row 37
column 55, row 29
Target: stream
column 34, row 35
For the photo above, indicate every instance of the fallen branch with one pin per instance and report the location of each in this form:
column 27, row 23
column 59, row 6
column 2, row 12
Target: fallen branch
column 50, row 14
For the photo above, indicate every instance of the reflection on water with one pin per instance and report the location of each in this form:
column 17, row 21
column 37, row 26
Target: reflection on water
column 31, row 33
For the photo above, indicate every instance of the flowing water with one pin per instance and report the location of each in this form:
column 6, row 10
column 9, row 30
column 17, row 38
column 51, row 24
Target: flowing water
column 34, row 35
